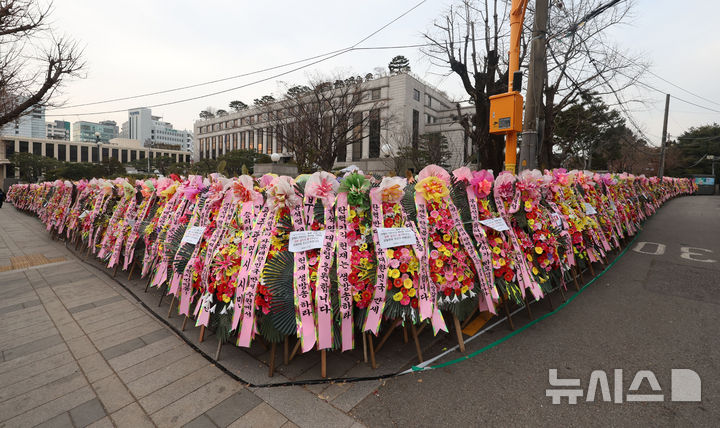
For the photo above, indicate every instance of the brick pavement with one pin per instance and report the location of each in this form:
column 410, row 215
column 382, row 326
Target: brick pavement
column 77, row 350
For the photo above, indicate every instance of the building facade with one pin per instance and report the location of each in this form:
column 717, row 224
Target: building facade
column 57, row 130
column 77, row 151
column 405, row 108
column 85, row 131
column 152, row 130
column 31, row 124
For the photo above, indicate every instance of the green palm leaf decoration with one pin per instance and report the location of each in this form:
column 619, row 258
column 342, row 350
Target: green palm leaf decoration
column 278, row 277
column 408, row 202
column 458, row 194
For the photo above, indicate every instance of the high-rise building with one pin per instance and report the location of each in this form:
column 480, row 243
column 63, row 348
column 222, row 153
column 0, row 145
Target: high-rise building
column 152, row 131
column 85, row 131
column 31, row 124
column 58, row 130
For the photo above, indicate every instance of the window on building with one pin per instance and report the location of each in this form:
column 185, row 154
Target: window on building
column 341, row 139
column 280, row 139
column 105, row 153
column 251, row 140
column 374, row 134
column 428, row 100
column 50, row 150
column 142, row 154
column 83, row 154
column 37, row 148
column 415, row 128
column 95, row 152
column 124, row 156
column 115, row 154
column 416, row 95
column 357, row 136
column 73, row 153
column 375, row 94
column 133, row 155
column 23, row 146
column 269, row 141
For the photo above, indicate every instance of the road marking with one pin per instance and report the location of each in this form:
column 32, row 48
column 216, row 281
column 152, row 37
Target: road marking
column 659, row 250
column 689, row 252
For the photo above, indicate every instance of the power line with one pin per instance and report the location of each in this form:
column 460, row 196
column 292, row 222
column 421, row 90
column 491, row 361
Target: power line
column 250, row 73
column 668, row 82
column 323, row 57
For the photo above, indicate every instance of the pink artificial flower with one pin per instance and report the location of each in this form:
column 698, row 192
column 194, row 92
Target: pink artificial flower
column 322, row 185
column 267, row 180
column 504, row 185
column 282, row 192
column 434, row 171
column 463, row 174
column 482, row 182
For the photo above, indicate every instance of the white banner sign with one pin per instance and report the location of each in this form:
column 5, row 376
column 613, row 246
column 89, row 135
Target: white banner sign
column 390, row 237
column 497, row 223
column 306, row 240
column 193, row 235
column 556, row 219
column 589, row 209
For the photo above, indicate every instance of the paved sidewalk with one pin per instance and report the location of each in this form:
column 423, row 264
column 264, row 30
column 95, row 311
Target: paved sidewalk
column 78, row 350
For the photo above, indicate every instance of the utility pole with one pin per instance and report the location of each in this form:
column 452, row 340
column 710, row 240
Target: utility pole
column 661, row 170
column 536, row 80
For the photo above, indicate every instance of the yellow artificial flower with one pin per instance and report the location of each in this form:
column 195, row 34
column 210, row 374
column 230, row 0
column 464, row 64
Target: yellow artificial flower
column 528, row 205
column 411, row 292
column 438, row 262
column 226, row 298
column 363, row 246
column 446, row 237
column 496, row 250
column 538, row 250
column 501, row 262
column 535, row 270
column 464, row 289
column 398, row 296
column 390, row 253
column 394, row 273
column 432, row 188
column 531, row 222
column 356, row 297
column 407, row 283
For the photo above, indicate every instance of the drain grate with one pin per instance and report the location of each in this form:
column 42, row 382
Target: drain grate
column 26, row 261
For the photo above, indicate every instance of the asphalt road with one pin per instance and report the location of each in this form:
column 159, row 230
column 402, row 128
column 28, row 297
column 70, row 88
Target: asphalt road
column 654, row 312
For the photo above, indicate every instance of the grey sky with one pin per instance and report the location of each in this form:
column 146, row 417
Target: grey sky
column 139, row 46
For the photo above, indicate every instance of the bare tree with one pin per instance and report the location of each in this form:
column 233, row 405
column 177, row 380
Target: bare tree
column 581, row 61
column 472, row 40
column 323, row 120
column 26, row 79
column 474, row 55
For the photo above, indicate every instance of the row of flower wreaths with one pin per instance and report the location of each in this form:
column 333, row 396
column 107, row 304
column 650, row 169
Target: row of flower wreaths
column 322, row 257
